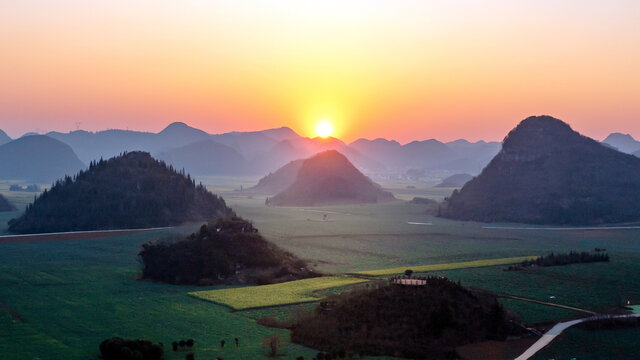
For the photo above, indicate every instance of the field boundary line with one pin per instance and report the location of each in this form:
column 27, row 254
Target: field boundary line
column 567, row 307
column 234, row 310
column 446, row 266
column 276, row 295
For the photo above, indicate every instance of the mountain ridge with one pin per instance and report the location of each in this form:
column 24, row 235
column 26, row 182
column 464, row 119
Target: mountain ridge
column 329, row 178
column 37, row 158
column 547, row 173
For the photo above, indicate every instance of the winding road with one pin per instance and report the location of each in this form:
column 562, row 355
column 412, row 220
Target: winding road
column 559, row 328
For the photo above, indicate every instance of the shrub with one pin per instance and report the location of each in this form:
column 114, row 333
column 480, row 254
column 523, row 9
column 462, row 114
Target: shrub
column 120, row 349
column 273, row 343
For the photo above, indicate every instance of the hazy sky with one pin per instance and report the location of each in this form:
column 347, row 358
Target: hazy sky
column 395, row 69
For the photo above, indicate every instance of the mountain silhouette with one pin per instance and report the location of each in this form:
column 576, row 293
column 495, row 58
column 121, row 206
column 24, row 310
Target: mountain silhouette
column 279, row 180
column 427, row 155
column 206, row 157
column 623, row 142
column 268, row 150
column 180, row 133
column 546, row 173
column 416, row 154
column 37, row 159
column 105, row 144
column 329, row 178
column 471, row 157
column 4, row 138
column 132, row 190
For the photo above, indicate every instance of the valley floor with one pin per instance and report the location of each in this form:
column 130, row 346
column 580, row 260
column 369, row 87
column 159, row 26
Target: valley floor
column 60, row 299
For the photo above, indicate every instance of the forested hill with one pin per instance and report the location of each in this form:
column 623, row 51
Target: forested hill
column 132, row 190
column 546, row 173
column 5, row 205
column 224, row 251
column 330, row 178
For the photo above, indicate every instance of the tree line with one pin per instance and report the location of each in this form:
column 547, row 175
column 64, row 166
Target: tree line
column 572, row 257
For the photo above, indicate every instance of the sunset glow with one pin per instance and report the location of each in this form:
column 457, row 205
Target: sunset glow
column 404, row 70
column 324, row 128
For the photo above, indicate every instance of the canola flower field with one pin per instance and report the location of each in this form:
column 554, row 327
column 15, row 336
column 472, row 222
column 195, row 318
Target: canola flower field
column 292, row 292
column 448, row 266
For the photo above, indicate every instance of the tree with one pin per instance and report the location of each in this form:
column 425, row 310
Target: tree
column 273, row 343
column 408, row 272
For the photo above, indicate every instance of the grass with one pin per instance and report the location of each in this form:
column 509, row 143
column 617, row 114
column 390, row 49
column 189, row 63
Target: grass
column 619, row 344
column 73, row 294
column 292, row 292
column 449, row 266
column 535, row 313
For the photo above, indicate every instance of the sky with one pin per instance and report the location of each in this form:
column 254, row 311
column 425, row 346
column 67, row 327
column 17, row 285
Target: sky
column 404, row 70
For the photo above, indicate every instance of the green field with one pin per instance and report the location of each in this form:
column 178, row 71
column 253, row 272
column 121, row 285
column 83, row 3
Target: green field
column 620, row 344
column 292, row 292
column 450, row 266
column 71, row 295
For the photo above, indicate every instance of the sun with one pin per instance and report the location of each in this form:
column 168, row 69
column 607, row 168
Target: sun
column 324, row 128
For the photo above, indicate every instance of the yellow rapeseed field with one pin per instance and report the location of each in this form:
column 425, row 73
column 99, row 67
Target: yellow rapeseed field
column 291, row 292
column 448, row 266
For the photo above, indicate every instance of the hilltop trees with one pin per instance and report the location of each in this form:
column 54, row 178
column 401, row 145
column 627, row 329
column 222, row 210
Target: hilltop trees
column 425, row 322
column 132, row 190
column 228, row 250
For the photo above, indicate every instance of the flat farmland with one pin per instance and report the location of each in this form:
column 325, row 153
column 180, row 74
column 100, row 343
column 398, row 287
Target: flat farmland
column 70, row 295
column 61, row 298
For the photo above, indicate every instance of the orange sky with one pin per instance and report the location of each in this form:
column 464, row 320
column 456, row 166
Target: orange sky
column 395, row 69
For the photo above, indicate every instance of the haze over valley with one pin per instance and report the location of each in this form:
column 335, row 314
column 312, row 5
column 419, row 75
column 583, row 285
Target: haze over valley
column 319, row 180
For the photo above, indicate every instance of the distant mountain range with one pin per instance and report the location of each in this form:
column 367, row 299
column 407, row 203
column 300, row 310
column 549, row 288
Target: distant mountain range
column 455, row 156
column 623, row 142
column 260, row 152
column 267, row 150
column 329, row 178
column 37, row 159
column 206, row 157
column 4, row 138
column 546, row 173
column 279, row 180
